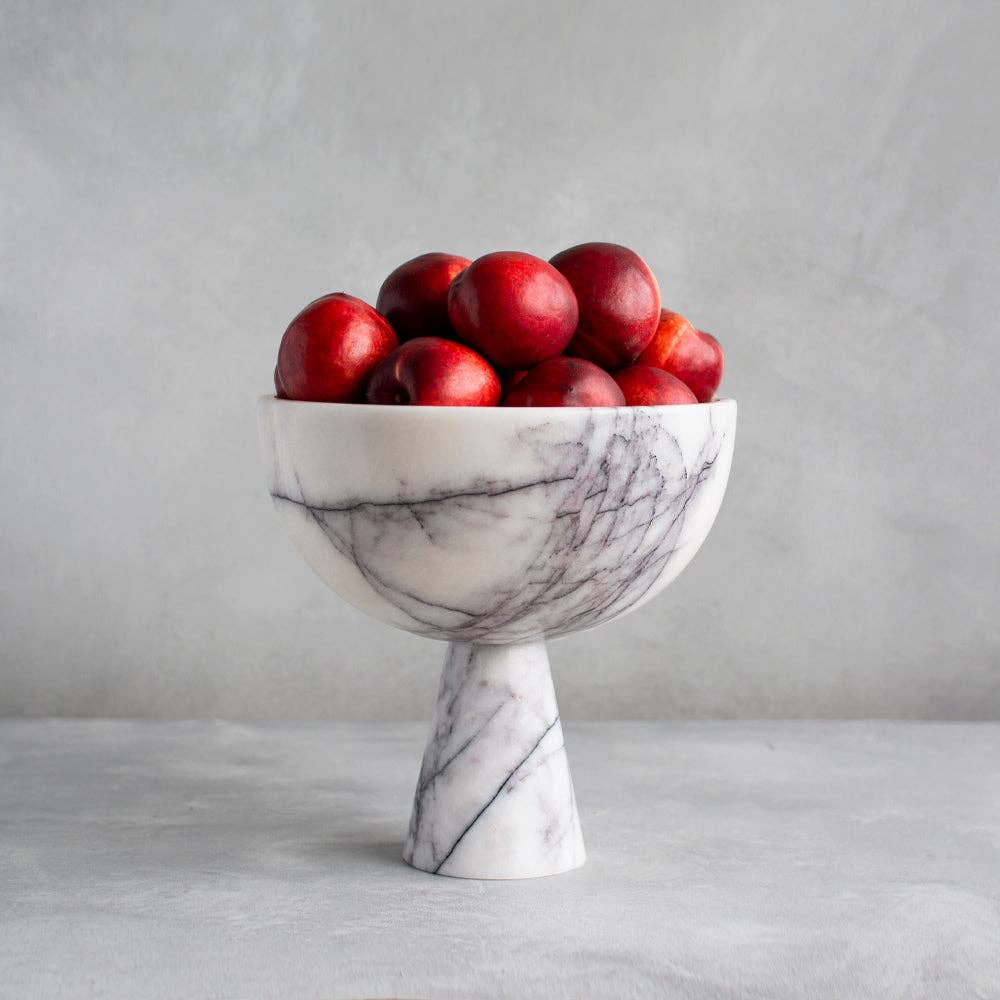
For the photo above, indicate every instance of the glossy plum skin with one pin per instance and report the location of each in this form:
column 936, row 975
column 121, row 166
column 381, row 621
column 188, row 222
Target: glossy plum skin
column 692, row 356
column 329, row 349
column 618, row 298
column 643, row 385
column 514, row 308
column 414, row 298
column 565, row 382
column 431, row 371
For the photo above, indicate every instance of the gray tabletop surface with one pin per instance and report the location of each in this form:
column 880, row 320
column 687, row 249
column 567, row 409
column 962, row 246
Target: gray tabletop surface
column 726, row 859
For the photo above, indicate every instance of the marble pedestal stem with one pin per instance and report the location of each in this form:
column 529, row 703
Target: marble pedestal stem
column 494, row 798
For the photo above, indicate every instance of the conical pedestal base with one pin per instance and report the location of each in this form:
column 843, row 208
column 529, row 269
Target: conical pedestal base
column 495, row 799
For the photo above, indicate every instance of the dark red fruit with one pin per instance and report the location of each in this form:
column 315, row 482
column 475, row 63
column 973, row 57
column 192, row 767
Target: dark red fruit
column 414, row 298
column 643, row 385
column 330, row 348
column 431, row 371
column 565, row 382
column 619, row 302
column 692, row 356
column 514, row 308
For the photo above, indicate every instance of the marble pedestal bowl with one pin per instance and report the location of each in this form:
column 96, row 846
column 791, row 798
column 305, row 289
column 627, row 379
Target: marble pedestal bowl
column 495, row 529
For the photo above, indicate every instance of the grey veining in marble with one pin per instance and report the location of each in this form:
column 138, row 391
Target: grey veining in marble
column 497, row 525
column 494, row 798
column 494, row 529
column 728, row 861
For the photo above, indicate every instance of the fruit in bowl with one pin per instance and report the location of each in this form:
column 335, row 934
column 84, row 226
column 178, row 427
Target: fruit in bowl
column 516, row 309
column 330, row 349
column 565, row 382
column 554, row 471
column 619, row 302
column 432, row 371
column 414, row 298
column 547, row 324
column 686, row 353
column 644, row 385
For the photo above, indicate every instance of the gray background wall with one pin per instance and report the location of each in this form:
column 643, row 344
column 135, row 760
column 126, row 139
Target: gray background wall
column 816, row 183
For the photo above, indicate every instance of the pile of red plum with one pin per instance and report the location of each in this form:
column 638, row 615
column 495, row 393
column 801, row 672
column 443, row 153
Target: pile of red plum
column 583, row 329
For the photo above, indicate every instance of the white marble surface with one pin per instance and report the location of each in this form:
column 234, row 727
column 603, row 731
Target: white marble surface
column 495, row 529
column 496, row 524
column 495, row 798
column 726, row 860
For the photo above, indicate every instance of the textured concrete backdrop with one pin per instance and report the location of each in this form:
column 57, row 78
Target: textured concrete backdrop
column 816, row 183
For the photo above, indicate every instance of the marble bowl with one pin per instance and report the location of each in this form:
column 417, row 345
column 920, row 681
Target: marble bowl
column 495, row 529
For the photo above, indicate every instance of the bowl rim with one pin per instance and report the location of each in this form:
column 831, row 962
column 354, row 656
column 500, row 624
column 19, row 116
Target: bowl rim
column 389, row 407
